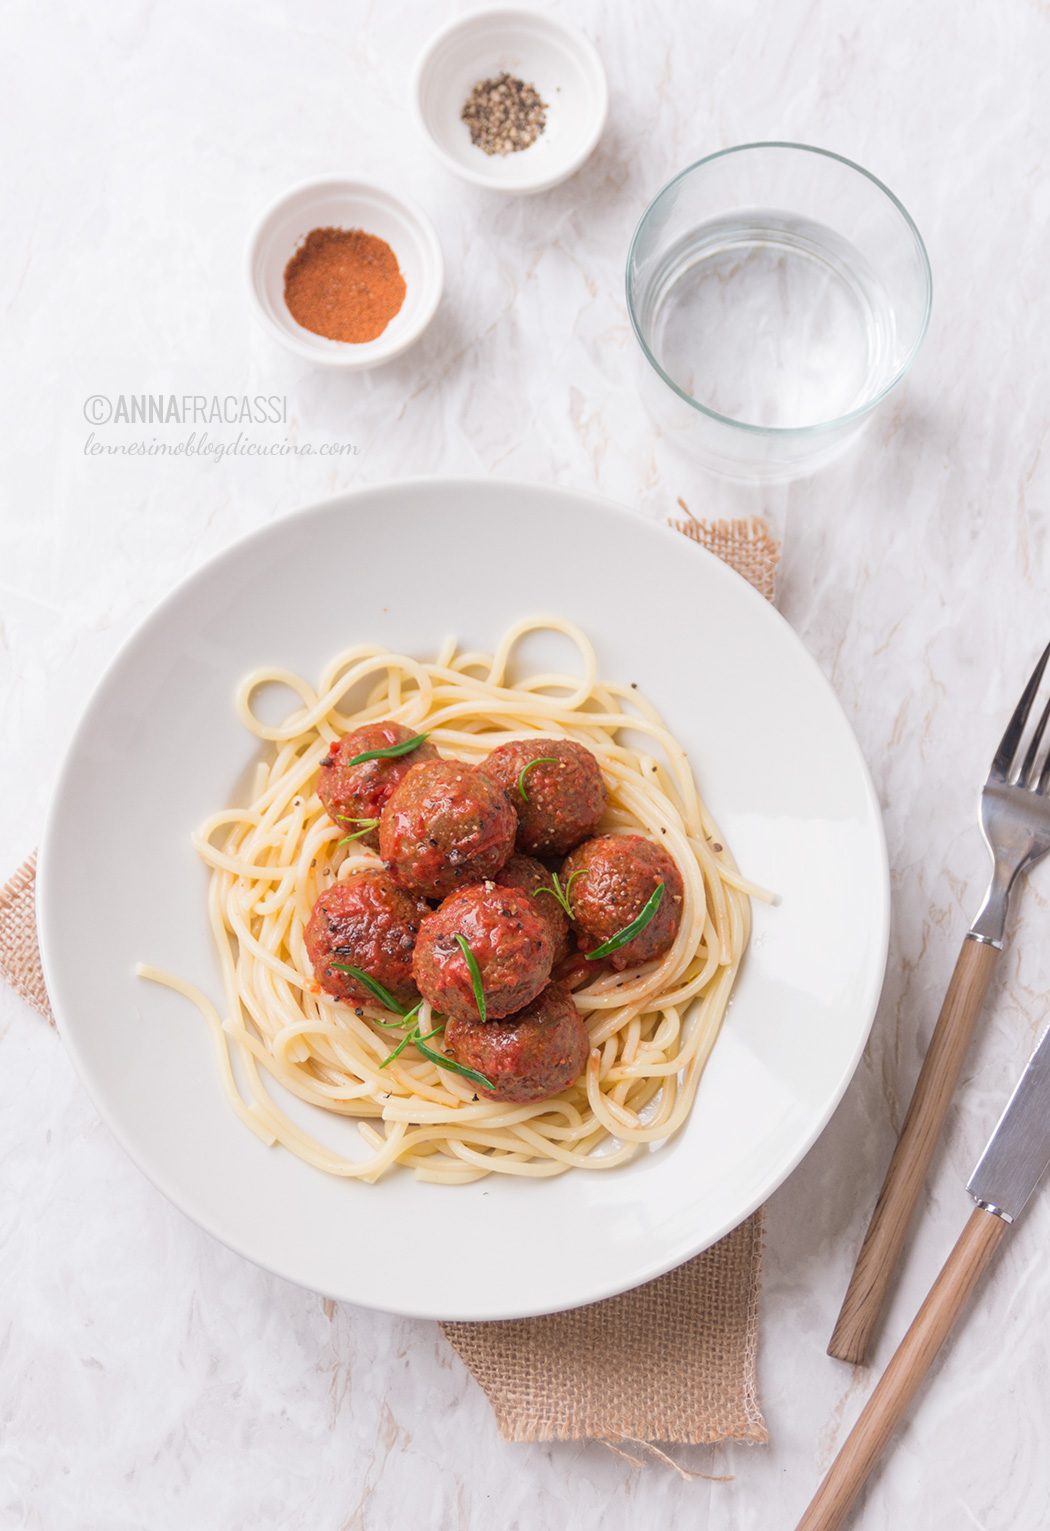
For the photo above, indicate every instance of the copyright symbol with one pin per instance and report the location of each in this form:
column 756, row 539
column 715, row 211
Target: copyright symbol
column 97, row 409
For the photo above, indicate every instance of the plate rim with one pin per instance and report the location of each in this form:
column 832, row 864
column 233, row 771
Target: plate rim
column 46, row 919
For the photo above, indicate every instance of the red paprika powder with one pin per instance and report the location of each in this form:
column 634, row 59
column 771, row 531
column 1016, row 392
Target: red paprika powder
column 344, row 284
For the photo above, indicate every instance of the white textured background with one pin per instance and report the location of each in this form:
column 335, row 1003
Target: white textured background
column 149, row 1379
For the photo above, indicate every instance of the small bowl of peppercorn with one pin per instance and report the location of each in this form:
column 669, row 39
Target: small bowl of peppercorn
column 344, row 273
column 511, row 99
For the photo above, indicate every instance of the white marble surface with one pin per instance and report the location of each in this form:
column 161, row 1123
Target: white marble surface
column 151, row 1379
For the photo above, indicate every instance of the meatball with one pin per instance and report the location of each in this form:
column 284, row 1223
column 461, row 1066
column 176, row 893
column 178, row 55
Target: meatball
column 528, row 874
column 564, row 792
column 367, row 922
column 444, row 826
column 509, row 940
column 618, row 875
column 530, row 1056
column 361, row 791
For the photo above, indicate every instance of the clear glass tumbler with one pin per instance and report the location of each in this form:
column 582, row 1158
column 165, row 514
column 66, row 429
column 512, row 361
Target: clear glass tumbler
column 778, row 292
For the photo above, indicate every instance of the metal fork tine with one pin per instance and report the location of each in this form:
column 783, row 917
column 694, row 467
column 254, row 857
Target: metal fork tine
column 1011, row 739
column 1028, row 768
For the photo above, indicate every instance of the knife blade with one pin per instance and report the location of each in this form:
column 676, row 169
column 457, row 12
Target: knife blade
column 1018, row 1152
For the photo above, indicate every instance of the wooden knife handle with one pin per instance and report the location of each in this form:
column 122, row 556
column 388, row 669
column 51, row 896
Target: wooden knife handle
column 901, row 1379
column 884, row 1240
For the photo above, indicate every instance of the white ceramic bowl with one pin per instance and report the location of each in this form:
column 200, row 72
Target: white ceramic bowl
column 160, row 748
column 547, row 53
column 337, row 201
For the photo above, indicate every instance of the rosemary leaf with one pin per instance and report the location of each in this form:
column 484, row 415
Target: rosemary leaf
column 475, row 976
column 540, row 760
column 391, row 752
column 560, row 894
column 629, row 932
column 444, row 1062
column 385, row 998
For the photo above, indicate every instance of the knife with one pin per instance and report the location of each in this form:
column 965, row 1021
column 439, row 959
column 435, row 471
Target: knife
column 1012, row 1165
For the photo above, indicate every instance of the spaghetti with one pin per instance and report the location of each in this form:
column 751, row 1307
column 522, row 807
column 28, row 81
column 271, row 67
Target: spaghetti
column 651, row 1028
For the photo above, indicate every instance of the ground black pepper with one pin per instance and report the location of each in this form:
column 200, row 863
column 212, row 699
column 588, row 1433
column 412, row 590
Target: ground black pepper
column 504, row 115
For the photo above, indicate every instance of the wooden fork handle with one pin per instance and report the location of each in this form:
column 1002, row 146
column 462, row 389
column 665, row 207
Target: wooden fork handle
column 900, row 1381
column 884, row 1240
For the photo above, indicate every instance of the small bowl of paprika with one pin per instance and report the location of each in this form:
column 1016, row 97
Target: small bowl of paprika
column 344, row 273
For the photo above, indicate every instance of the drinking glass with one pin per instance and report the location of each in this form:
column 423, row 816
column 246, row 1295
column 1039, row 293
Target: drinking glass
column 779, row 293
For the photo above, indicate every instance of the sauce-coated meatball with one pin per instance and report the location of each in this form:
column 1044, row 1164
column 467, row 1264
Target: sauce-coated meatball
column 530, row 1056
column 508, row 938
column 444, row 826
column 564, row 792
column 361, row 791
column 618, row 875
column 528, row 874
column 367, row 922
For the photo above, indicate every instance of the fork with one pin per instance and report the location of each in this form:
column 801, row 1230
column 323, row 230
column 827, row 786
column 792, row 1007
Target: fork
column 1015, row 822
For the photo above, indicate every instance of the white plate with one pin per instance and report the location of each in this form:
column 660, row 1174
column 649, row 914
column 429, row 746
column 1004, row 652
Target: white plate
column 159, row 749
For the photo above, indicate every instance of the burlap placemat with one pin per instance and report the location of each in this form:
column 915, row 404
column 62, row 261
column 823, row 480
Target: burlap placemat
column 672, row 1361
column 19, row 953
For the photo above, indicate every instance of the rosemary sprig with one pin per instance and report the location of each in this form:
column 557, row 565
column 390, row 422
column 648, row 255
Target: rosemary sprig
column 374, row 987
column 391, row 752
column 398, row 1050
column 411, row 1035
column 540, row 760
column 560, row 894
column 444, row 1062
column 407, row 1020
column 409, row 1015
column 366, row 826
column 419, row 1040
column 629, row 932
column 475, row 976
